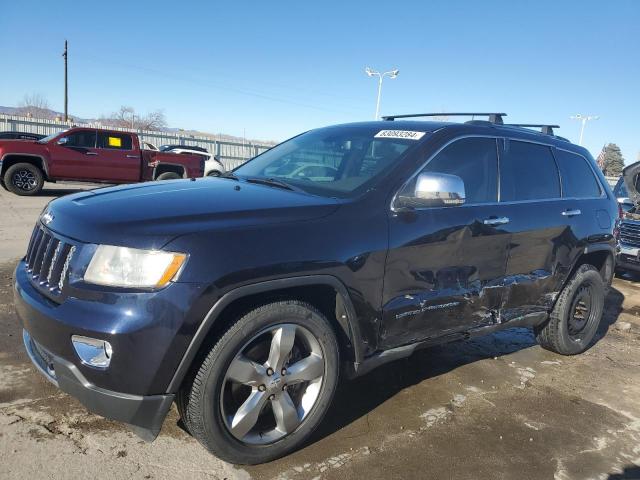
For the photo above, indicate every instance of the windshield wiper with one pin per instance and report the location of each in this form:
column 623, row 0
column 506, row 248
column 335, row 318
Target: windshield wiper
column 271, row 182
column 230, row 175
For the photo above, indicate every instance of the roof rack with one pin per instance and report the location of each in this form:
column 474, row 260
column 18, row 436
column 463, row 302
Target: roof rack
column 544, row 128
column 493, row 117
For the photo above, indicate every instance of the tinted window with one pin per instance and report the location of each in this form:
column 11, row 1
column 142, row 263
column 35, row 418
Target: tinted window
column 82, row 139
column 118, row 141
column 528, row 172
column 475, row 161
column 620, row 190
column 578, row 180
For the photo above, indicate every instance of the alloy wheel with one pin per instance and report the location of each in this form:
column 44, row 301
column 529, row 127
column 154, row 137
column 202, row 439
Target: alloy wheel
column 272, row 384
column 24, row 180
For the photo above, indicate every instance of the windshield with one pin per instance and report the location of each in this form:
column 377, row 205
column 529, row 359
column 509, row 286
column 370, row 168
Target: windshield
column 620, row 190
column 48, row 138
column 335, row 161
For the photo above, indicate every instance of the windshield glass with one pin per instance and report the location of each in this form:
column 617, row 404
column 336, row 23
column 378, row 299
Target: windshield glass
column 48, row 138
column 335, row 161
column 620, row 190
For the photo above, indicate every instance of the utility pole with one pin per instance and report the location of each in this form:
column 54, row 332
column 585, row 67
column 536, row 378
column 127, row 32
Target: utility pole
column 583, row 119
column 66, row 84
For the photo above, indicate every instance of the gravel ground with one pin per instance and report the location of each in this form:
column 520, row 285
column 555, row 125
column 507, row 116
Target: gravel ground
column 495, row 407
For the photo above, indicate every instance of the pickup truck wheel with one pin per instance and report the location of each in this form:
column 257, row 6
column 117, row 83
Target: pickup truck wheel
column 168, row 176
column 265, row 385
column 575, row 318
column 24, row 179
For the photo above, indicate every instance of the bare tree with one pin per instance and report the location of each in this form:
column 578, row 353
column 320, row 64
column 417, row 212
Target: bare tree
column 35, row 105
column 127, row 117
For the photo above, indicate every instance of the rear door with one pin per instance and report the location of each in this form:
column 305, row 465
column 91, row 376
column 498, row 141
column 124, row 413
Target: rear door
column 119, row 158
column 74, row 159
column 446, row 265
column 543, row 238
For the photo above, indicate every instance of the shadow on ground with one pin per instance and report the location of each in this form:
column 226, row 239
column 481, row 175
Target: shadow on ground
column 629, row 473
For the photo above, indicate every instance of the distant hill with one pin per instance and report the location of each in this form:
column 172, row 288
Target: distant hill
column 217, row 136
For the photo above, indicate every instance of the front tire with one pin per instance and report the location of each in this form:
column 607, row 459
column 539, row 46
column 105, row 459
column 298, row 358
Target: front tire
column 265, row 385
column 213, row 173
column 24, row 179
column 577, row 314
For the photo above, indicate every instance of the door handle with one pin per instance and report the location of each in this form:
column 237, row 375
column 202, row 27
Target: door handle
column 571, row 213
column 132, row 156
column 91, row 153
column 496, row 221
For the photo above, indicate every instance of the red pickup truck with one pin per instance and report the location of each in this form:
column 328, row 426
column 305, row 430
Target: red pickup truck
column 88, row 155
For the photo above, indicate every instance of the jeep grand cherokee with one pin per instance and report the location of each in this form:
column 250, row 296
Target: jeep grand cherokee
column 241, row 297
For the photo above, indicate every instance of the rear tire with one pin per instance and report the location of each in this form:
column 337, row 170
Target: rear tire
column 168, row 176
column 24, row 179
column 213, row 173
column 240, row 411
column 576, row 316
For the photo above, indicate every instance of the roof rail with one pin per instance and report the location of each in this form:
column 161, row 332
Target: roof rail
column 493, row 117
column 544, row 128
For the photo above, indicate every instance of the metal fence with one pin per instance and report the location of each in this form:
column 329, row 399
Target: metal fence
column 232, row 154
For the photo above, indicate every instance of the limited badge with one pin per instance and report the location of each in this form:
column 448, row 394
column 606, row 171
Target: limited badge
column 406, row 134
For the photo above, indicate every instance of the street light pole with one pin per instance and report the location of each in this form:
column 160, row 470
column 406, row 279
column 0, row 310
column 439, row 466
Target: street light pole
column 583, row 120
column 372, row 73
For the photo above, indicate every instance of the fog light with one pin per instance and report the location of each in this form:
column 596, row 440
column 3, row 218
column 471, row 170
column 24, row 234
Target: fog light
column 93, row 352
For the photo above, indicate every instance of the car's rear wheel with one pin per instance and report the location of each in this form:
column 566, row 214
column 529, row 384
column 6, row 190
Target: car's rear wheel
column 266, row 384
column 24, row 179
column 168, row 176
column 576, row 316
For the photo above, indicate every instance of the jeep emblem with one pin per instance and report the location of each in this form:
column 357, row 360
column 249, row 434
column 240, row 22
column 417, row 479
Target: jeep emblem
column 47, row 218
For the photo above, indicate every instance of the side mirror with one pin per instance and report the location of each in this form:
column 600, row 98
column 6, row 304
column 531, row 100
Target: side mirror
column 62, row 141
column 433, row 190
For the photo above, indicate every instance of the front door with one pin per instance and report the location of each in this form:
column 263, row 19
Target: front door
column 75, row 158
column 446, row 265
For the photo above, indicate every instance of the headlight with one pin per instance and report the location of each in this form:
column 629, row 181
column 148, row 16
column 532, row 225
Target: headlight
column 132, row 267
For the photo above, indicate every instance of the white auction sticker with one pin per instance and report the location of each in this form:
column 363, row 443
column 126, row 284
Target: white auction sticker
column 399, row 134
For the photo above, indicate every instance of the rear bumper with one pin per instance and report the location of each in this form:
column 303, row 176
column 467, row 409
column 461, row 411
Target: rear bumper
column 145, row 414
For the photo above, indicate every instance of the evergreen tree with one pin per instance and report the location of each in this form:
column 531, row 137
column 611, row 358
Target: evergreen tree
column 612, row 160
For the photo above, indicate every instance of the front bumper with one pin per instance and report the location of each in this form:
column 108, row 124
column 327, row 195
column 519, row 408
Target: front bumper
column 149, row 332
column 145, row 414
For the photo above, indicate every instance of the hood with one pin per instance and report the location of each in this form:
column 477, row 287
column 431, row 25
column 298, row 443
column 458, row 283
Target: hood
column 149, row 215
column 632, row 181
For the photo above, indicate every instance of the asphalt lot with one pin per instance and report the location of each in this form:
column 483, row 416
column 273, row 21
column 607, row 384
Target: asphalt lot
column 495, row 407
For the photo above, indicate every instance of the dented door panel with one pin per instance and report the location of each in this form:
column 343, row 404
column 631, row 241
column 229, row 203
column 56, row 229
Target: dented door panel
column 445, row 272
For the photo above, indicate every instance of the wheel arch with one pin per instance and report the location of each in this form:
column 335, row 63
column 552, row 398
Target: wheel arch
column 601, row 256
column 10, row 159
column 169, row 167
column 242, row 299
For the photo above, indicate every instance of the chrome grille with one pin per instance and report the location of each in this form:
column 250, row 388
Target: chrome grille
column 630, row 233
column 47, row 260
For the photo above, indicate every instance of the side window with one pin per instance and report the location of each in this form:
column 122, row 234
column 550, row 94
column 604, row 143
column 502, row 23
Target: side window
column 527, row 172
column 82, row 139
column 475, row 161
column 578, row 180
column 113, row 140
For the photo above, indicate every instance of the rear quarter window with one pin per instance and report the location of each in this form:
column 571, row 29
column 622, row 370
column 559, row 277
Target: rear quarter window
column 578, row 180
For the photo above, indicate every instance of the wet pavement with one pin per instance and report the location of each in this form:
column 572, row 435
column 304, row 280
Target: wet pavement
column 494, row 407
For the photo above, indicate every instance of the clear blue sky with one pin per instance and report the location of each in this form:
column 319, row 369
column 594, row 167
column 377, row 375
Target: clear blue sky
column 277, row 68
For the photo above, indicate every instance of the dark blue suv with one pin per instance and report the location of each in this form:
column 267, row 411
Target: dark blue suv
column 243, row 297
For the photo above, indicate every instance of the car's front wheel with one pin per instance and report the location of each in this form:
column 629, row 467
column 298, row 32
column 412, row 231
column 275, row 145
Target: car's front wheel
column 265, row 385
